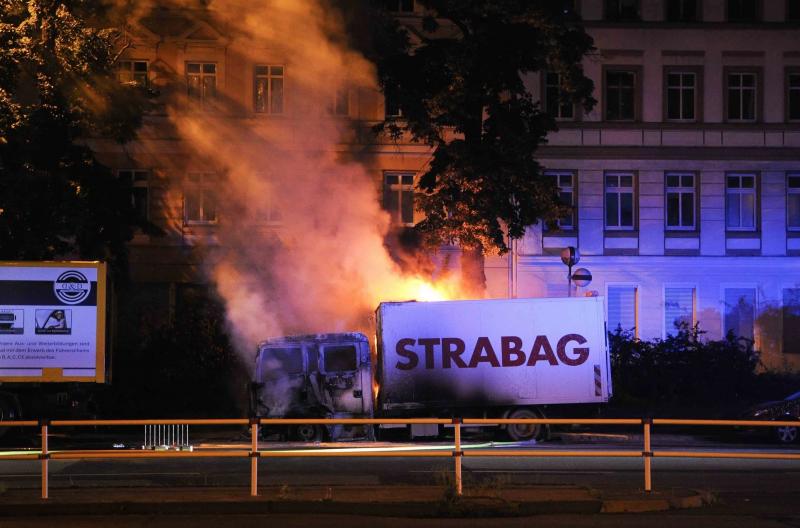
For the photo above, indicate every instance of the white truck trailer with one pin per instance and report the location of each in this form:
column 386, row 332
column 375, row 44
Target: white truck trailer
column 507, row 358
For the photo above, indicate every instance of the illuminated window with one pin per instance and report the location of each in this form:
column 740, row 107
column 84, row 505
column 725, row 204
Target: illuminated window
column 681, row 10
column 678, row 308
column 201, row 82
column 680, row 201
column 132, row 71
column 621, row 302
column 740, row 312
column 566, row 192
column 619, row 201
column 621, row 10
column 743, row 10
column 740, row 198
column 620, row 95
column 742, row 92
column 138, row 180
column 553, row 98
column 791, row 320
column 200, row 198
column 681, row 95
column 268, row 89
column 793, row 96
column 398, row 197
column 793, row 201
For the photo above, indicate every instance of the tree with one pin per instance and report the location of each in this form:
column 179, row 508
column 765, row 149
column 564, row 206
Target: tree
column 57, row 88
column 460, row 81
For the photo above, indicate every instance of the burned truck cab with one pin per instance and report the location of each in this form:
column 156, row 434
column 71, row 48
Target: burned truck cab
column 314, row 376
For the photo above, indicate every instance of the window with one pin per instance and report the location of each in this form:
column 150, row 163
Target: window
column 793, row 96
column 392, row 103
column 268, row 92
column 678, row 308
column 620, row 92
column 619, row 201
column 132, row 71
column 681, row 95
column 792, row 10
column 341, row 358
column 741, row 94
column 200, row 198
column 340, row 102
column 743, row 10
column 791, row 320
column 566, row 192
column 398, row 197
column 680, row 201
column 740, row 206
column 681, row 10
column 138, row 180
column 399, row 6
column 793, row 201
column 622, row 308
column 279, row 362
column 268, row 210
column 621, row 10
column 740, row 312
column 553, row 98
column 201, row 81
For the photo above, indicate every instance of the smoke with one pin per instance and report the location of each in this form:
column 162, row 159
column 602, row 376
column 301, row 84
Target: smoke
column 300, row 236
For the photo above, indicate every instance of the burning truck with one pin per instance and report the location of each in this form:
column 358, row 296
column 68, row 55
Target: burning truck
column 505, row 358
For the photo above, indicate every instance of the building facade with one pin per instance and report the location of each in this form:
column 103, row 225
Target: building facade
column 685, row 177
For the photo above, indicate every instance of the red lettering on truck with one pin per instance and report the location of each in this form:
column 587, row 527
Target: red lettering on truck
column 512, row 353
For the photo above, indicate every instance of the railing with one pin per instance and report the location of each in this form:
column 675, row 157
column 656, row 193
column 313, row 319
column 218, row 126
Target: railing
column 646, row 453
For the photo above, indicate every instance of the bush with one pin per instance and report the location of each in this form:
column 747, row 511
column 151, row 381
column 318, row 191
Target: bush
column 682, row 375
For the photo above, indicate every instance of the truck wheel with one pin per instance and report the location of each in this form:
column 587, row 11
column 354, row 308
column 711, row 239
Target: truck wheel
column 523, row 432
column 306, row 433
column 788, row 434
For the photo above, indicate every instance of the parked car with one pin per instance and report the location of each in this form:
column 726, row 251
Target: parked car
column 783, row 410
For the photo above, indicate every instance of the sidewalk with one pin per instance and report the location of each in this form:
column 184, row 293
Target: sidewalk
column 389, row 501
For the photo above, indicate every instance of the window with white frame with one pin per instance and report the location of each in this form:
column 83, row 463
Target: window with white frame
column 398, row 197
column 740, row 202
column 681, row 10
column 679, row 308
column 680, row 201
column 564, row 181
column 619, row 201
column 620, row 92
column 621, row 10
column 268, row 89
column 139, row 182
column 741, row 93
column 793, row 201
column 740, row 312
column 555, row 103
column 201, row 82
column 793, row 96
column 681, row 95
column 267, row 208
column 621, row 303
column 791, row 320
column 132, row 71
column 200, row 198
column 742, row 10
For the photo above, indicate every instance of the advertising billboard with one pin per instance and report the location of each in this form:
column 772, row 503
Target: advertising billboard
column 52, row 321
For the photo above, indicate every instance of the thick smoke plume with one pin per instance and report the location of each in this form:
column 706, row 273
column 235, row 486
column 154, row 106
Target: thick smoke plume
column 325, row 268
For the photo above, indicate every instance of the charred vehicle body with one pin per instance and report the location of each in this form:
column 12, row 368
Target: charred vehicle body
column 508, row 358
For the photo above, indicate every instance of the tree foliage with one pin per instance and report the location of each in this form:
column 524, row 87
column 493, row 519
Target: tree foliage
column 460, row 78
column 58, row 88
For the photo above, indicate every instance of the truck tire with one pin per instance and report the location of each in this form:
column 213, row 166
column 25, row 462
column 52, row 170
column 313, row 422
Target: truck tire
column 524, row 432
column 787, row 434
column 306, row 433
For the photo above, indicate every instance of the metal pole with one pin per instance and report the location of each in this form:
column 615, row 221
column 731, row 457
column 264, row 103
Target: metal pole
column 254, row 459
column 457, row 454
column 45, row 460
column 569, row 280
column 648, row 456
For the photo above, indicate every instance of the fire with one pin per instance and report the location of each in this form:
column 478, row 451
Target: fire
column 419, row 289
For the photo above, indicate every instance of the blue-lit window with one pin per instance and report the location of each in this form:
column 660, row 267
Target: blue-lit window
column 680, row 201
column 679, row 308
column 621, row 301
column 566, row 192
column 740, row 202
column 619, row 202
column 740, row 312
column 398, row 197
column 793, row 201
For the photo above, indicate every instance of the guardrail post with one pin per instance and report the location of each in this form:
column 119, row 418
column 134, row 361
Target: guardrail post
column 254, row 454
column 648, row 455
column 457, row 454
column 45, row 457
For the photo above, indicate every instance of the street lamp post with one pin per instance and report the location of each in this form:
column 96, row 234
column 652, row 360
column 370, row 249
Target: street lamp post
column 570, row 256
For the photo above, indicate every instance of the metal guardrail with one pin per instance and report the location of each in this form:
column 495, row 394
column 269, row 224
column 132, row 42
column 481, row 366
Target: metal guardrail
column 646, row 453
